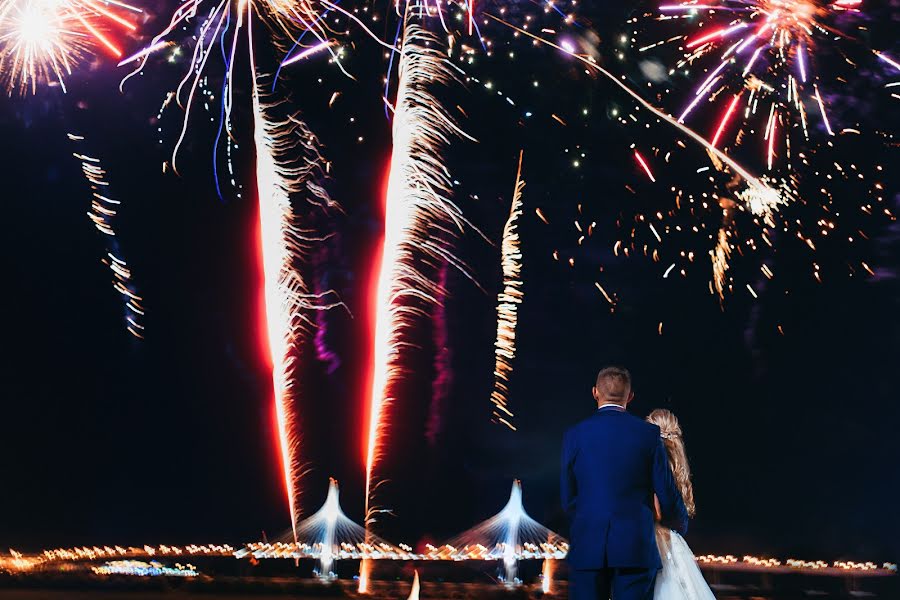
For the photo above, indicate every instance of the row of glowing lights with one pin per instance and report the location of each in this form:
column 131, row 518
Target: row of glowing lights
column 405, row 552
column 755, row 561
column 377, row 551
column 144, row 569
column 94, row 552
column 386, row 551
column 22, row 562
column 480, row 552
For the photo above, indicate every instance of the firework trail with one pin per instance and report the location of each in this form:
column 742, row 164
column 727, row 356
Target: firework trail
column 104, row 212
column 418, row 212
column 508, row 306
column 42, row 41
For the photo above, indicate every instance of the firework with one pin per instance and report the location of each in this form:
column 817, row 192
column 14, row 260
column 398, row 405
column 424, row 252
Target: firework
column 417, row 212
column 103, row 214
column 763, row 62
column 508, row 306
column 285, row 292
column 42, row 41
column 766, row 200
column 764, row 75
column 287, row 163
column 757, row 188
column 287, row 300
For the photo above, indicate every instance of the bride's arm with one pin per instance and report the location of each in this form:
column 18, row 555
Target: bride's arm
column 657, row 511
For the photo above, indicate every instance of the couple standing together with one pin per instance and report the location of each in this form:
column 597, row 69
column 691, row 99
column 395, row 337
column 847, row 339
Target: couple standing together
column 626, row 486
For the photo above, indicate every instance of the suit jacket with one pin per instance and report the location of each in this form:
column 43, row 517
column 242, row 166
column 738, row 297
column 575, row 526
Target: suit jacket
column 612, row 464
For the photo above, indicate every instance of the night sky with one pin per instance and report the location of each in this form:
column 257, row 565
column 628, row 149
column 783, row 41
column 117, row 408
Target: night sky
column 110, row 440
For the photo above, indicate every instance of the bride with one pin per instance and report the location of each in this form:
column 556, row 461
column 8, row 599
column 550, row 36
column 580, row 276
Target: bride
column 680, row 578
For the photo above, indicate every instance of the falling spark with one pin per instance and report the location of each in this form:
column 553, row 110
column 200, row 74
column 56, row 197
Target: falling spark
column 643, row 164
column 145, row 52
column 416, row 205
column 307, row 53
column 720, row 257
column 721, row 33
column 605, row 294
column 771, row 137
column 508, row 302
column 822, row 110
column 884, row 57
column 724, row 122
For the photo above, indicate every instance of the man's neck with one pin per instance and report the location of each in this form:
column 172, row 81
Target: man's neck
column 610, row 405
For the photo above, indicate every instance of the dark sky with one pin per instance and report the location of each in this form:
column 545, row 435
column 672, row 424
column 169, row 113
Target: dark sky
column 792, row 437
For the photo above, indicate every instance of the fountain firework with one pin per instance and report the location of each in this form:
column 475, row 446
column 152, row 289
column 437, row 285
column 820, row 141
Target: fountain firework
column 418, row 215
column 287, row 163
column 287, row 299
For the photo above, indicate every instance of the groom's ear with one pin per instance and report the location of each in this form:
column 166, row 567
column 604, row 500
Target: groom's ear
column 630, row 397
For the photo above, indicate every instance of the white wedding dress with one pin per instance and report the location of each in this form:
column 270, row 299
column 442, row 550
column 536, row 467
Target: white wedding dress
column 680, row 578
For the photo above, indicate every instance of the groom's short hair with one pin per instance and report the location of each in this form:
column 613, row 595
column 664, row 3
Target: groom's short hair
column 614, row 384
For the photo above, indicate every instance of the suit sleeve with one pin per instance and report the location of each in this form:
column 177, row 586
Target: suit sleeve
column 671, row 504
column 568, row 485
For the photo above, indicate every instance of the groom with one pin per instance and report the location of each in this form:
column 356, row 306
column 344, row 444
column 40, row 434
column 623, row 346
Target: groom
column 612, row 465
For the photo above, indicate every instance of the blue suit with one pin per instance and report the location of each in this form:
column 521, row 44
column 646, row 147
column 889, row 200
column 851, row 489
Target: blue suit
column 612, row 465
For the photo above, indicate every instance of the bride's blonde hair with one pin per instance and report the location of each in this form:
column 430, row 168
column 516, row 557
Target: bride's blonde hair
column 670, row 431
